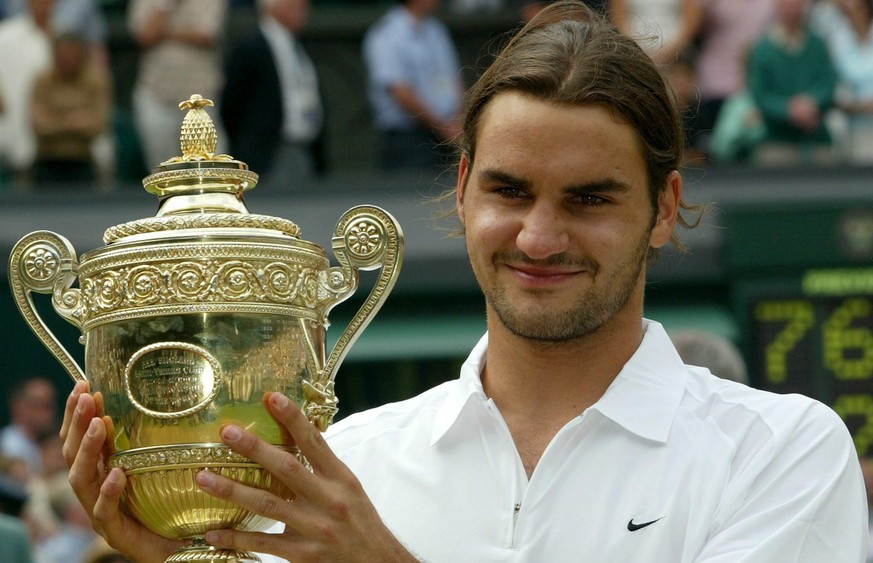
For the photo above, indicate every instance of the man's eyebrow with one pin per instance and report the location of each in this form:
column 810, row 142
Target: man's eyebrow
column 499, row 177
column 607, row 185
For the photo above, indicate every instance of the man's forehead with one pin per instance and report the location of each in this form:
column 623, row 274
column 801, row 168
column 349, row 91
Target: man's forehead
column 505, row 110
column 514, row 126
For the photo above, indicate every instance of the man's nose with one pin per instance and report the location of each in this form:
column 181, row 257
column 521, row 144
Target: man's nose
column 543, row 232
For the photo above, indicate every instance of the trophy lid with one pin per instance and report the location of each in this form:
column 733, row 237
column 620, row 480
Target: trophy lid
column 200, row 189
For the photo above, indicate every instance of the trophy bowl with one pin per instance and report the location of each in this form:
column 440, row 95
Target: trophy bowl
column 189, row 317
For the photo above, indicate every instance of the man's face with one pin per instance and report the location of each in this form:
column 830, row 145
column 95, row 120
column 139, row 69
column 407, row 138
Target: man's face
column 35, row 409
column 292, row 14
column 558, row 218
column 792, row 12
column 41, row 11
column 70, row 57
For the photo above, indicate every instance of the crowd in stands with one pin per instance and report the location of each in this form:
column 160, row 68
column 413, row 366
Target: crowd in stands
column 41, row 520
column 767, row 82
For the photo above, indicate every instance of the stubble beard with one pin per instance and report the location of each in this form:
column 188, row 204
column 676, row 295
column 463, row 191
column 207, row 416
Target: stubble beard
column 585, row 315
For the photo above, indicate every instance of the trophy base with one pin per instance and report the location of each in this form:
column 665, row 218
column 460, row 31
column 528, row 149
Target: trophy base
column 198, row 551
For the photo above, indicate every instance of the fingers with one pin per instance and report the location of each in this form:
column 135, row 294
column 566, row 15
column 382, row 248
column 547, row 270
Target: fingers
column 85, row 474
column 72, row 400
column 107, row 508
column 256, row 500
column 308, row 438
column 300, row 519
column 283, row 465
column 256, row 542
column 79, row 418
column 121, row 530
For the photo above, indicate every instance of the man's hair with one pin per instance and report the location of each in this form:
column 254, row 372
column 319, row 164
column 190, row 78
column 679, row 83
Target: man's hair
column 569, row 55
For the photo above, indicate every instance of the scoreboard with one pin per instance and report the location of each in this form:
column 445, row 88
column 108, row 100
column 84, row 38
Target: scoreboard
column 815, row 336
column 802, row 290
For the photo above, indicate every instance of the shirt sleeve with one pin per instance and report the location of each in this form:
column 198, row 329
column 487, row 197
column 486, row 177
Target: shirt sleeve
column 383, row 54
column 802, row 500
column 824, row 87
column 138, row 12
column 772, row 103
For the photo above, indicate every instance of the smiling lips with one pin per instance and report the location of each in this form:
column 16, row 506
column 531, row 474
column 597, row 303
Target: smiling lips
column 542, row 275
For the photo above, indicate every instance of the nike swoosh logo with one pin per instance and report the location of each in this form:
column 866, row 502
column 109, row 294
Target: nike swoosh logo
column 631, row 527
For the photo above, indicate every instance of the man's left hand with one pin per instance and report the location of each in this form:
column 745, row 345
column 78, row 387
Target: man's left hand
column 330, row 517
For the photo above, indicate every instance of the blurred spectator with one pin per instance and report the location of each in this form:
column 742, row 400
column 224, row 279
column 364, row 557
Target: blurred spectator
column 70, row 108
column 729, row 29
column 180, row 57
column 79, row 17
column 41, row 518
column 664, row 28
column 474, row 6
column 13, row 479
column 13, row 539
column 850, row 36
column 271, row 104
column 792, row 81
column 25, row 45
column 682, row 77
column 738, row 130
column 714, row 352
column 74, row 536
column 530, row 8
column 415, row 85
column 32, row 408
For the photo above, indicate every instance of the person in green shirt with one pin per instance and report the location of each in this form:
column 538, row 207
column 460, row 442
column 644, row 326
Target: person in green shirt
column 792, row 81
column 13, row 538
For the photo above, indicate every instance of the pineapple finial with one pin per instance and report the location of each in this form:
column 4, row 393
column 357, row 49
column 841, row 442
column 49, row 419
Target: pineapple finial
column 198, row 138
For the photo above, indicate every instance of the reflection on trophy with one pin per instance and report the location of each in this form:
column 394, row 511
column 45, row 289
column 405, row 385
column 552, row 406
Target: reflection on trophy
column 190, row 316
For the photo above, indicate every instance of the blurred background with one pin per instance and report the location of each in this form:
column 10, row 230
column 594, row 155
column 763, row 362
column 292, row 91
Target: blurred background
column 777, row 289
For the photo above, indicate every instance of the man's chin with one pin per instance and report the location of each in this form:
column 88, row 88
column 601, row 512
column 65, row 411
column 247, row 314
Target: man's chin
column 548, row 330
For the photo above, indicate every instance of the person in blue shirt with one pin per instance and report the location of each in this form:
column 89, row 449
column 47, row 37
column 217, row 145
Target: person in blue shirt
column 415, row 85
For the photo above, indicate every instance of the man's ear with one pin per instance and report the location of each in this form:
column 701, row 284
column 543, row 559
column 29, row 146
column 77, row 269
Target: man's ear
column 668, row 210
column 463, row 172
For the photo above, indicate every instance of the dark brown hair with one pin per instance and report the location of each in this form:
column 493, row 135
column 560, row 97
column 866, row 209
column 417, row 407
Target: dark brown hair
column 569, row 55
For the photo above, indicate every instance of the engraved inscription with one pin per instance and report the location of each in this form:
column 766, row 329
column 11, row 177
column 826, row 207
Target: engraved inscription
column 171, row 379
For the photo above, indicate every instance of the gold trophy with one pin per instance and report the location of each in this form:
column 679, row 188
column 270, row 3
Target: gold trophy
column 190, row 316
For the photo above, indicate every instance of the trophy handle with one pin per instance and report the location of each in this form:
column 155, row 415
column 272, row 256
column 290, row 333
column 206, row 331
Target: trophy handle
column 45, row 262
column 366, row 237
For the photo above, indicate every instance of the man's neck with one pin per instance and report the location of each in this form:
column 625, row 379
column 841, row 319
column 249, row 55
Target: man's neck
column 539, row 387
column 417, row 12
column 575, row 372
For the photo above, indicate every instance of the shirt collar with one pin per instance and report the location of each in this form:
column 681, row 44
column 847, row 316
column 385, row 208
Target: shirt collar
column 468, row 385
column 646, row 394
column 643, row 398
column 274, row 30
column 402, row 13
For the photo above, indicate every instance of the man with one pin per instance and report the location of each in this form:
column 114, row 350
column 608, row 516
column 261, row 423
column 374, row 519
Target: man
column 13, row 538
column 26, row 46
column 70, row 108
column 415, row 87
column 271, row 104
column 82, row 17
column 180, row 55
column 32, row 409
column 793, row 82
column 575, row 432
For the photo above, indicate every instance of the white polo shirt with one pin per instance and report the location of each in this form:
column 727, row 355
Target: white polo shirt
column 671, row 465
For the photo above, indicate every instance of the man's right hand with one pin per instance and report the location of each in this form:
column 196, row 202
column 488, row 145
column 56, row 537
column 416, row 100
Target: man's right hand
column 84, row 433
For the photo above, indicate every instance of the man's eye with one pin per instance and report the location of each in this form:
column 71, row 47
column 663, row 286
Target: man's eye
column 590, row 200
column 510, row 192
